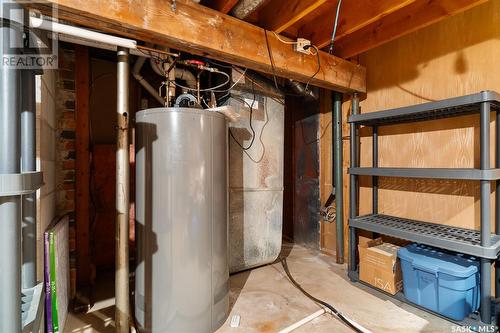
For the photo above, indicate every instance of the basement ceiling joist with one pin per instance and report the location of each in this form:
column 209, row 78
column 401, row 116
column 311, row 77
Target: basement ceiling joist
column 279, row 15
column 223, row 6
column 199, row 30
column 416, row 15
column 354, row 15
column 363, row 24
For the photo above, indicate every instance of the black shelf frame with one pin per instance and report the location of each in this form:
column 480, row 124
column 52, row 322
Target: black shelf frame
column 482, row 243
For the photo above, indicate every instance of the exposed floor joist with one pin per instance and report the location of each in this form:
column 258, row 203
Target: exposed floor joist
column 354, row 15
column 199, row 30
column 279, row 15
column 363, row 24
column 418, row 14
column 223, row 6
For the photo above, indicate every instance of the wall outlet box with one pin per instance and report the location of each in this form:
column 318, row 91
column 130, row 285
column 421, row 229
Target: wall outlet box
column 303, row 46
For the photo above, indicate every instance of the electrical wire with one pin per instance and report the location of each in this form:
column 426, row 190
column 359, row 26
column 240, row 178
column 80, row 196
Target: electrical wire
column 150, row 54
column 242, row 75
column 316, row 300
column 251, row 126
column 280, row 101
column 334, row 32
column 317, row 70
column 213, row 62
column 316, row 53
column 261, row 157
column 284, row 41
column 258, row 160
column 271, row 60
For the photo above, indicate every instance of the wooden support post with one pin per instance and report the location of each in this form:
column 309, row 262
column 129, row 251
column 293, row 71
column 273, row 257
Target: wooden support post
column 82, row 165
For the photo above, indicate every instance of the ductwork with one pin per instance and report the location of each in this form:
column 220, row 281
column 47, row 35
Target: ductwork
column 260, row 83
column 186, row 75
column 136, row 73
column 246, row 7
column 180, row 73
column 300, row 89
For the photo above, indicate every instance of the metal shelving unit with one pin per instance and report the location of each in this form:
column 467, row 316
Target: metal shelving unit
column 437, row 235
column 482, row 244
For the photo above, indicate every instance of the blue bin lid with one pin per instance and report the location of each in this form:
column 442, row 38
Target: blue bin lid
column 436, row 260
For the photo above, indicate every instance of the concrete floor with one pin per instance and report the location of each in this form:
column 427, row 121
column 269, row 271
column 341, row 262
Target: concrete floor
column 267, row 301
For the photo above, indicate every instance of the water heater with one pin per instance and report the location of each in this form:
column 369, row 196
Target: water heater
column 182, row 272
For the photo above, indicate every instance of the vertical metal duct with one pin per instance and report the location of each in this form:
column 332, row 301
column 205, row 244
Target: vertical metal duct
column 28, row 163
column 122, row 196
column 10, row 206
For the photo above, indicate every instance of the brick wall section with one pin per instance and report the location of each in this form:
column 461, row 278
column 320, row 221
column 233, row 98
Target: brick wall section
column 65, row 155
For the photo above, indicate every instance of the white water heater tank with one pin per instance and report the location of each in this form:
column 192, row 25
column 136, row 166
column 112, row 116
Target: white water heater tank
column 182, row 272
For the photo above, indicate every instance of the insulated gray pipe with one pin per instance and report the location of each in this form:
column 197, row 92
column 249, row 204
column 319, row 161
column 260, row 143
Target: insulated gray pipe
column 10, row 207
column 28, row 163
column 337, row 173
column 122, row 311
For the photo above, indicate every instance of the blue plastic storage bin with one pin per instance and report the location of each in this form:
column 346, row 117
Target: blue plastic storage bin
column 441, row 281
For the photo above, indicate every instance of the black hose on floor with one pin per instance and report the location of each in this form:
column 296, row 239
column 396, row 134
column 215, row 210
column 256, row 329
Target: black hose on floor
column 325, row 304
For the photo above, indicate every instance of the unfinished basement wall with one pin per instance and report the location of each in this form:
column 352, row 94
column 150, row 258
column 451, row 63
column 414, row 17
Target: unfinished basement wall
column 301, row 218
column 454, row 57
column 46, row 158
column 65, row 147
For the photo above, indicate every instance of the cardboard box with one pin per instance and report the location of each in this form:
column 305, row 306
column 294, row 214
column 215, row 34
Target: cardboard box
column 379, row 264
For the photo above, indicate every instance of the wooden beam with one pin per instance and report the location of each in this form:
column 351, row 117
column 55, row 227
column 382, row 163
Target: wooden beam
column 82, row 165
column 417, row 15
column 354, row 15
column 199, row 30
column 279, row 15
column 223, row 6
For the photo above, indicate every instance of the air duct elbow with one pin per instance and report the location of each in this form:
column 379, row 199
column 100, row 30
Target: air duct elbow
column 186, row 75
column 180, row 73
column 136, row 73
column 300, row 89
